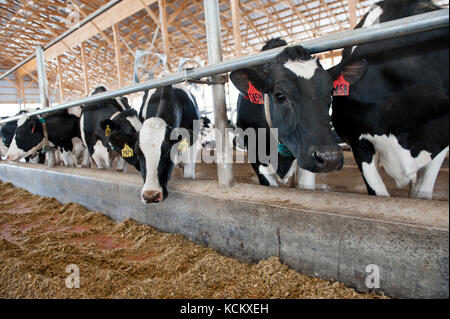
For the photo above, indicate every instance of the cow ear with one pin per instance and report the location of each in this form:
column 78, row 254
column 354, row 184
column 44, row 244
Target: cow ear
column 242, row 78
column 354, row 71
column 107, row 123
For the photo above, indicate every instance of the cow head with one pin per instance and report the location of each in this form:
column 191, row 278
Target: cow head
column 351, row 69
column 28, row 139
column 154, row 154
column 122, row 133
column 297, row 96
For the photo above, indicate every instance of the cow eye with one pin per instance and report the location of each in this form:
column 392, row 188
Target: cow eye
column 281, row 98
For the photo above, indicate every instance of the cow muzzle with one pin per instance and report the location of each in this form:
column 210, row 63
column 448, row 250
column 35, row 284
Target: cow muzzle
column 327, row 159
column 12, row 157
column 151, row 197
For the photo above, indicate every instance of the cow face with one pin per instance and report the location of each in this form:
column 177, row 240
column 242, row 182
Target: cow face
column 28, row 139
column 154, row 154
column 122, row 133
column 297, row 96
column 7, row 132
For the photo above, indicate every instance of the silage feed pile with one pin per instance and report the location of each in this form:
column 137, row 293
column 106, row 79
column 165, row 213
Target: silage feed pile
column 40, row 238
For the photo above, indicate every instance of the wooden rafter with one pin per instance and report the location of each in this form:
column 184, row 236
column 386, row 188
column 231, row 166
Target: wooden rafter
column 131, row 25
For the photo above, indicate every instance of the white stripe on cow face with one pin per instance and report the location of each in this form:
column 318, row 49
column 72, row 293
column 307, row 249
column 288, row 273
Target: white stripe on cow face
column 303, row 69
column 151, row 137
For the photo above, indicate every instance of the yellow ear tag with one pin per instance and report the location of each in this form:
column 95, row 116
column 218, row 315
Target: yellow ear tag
column 107, row 131
column 184, row 145
column 127, row 151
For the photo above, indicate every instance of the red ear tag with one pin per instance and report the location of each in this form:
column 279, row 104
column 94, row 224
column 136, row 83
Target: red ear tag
column 341, row 87
column 32, row 130
column 254, row 95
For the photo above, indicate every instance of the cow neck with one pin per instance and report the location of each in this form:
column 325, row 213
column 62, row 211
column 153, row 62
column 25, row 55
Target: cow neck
column 115, row 115
column 120, row 105
column 171, row 114
column 115, row 105
column 44, row 129
column 282, row 149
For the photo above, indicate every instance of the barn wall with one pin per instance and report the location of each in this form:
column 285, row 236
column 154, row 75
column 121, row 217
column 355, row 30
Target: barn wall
column 9, row 94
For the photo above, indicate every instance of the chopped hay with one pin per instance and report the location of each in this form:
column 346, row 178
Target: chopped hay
column 39, row 238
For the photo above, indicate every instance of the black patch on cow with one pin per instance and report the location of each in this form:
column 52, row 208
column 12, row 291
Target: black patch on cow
column 403, row 91
column 94, row 113
column 62, row 127
column 122, row 132
column 178, row 110
column 274, row 43
column 251, row 115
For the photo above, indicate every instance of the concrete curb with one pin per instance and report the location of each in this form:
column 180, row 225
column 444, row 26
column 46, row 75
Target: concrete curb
column 412, row 257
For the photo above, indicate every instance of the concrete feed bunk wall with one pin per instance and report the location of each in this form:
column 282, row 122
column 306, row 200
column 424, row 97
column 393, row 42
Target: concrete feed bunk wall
column 329, row 235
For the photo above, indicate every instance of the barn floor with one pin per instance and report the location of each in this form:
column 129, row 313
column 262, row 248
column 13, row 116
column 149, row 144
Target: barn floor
column 39, row 237
column 327, row 235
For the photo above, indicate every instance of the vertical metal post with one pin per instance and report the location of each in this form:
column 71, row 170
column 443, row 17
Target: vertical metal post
column 40, row 65
column 223, row 151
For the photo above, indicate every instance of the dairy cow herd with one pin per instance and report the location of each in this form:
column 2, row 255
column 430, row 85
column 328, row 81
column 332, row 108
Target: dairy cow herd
column 388, row 101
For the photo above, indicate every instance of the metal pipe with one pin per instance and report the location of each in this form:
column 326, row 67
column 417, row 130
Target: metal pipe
column 40, row 65
column 223, row 149
column 83, row 22
column 388, row 30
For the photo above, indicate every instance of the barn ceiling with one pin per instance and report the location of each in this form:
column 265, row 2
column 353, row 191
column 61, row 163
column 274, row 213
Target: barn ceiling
column 25, row 24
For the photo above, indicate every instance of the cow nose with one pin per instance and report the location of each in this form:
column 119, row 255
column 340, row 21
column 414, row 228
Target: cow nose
column 328, row 160
column 150, row 197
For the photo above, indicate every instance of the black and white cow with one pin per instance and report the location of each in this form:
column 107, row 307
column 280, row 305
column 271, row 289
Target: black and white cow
column 251, row 114
column 163, row 110
column 208, row 135
column 7, row 132
column 93, row 135
column 207, row 138
column 124, row 132
column 297, row 96
column 63, row 132
column 397, row 110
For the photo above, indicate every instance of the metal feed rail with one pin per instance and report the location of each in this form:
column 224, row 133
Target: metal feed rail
column 83, row 22
column 401, row 27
